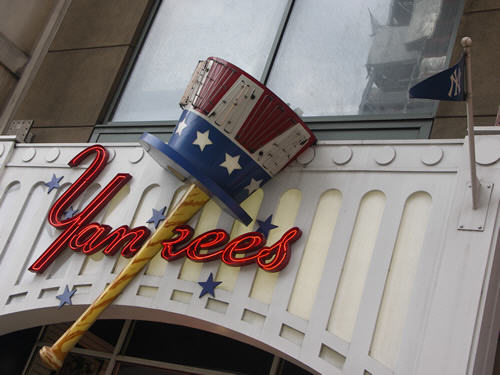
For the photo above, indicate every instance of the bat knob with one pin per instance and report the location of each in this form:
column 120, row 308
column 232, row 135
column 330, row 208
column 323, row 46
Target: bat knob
column 466, row 41
column 50, row 359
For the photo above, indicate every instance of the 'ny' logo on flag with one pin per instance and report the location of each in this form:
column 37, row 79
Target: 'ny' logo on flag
column 455, row 86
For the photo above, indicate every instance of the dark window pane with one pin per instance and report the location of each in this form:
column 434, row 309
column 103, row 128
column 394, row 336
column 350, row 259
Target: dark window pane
column 192, row 347
column 102, row 335
column 107, row 330
column 16, row 348
column 131, row 369
column 290, row 369
column 74, row 364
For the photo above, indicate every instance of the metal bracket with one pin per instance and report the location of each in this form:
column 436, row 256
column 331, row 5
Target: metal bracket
column 21, row 129
column 475, row 219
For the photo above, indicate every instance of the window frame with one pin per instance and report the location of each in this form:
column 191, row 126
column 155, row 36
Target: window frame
column 376, row 126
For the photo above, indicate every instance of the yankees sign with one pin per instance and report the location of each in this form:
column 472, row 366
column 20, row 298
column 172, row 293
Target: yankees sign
column 82, row 235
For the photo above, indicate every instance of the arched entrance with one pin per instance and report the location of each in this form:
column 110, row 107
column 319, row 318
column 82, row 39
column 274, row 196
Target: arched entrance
column 126, row 347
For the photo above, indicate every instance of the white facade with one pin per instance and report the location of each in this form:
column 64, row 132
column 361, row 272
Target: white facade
column 395, row 273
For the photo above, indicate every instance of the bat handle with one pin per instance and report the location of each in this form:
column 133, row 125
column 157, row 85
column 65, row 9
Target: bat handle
column 191, row 202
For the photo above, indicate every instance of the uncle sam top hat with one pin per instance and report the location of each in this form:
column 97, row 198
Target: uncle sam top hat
column 233, row 135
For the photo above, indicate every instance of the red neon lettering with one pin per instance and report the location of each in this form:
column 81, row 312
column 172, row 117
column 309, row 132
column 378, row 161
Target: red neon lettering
column 99, row 239
column 243, row 250
column 75, row 233
column 184, row 234
column 206, row 241
column 243, row 245
column 120, row 236
column 83, row 239
column 277, row 256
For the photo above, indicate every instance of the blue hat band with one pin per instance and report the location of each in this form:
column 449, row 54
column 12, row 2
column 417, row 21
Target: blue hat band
column 199, row 151
column 218, row 156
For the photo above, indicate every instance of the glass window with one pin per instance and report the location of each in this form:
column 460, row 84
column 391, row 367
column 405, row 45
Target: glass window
column 187, row 31
column 345, row 66
column 361, row 56
column 331, row 58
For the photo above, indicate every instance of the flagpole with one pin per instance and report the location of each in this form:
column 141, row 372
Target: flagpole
column 466, row 44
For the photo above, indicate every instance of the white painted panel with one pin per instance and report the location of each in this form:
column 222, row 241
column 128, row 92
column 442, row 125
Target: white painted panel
column 400, row 279
column 443, row 323
column 10, row 202
column 229, row 275
column 284, row 218
column 149, row 199
column 356, row 264
column 315, row 252
column 113, row 216
column 209, row 218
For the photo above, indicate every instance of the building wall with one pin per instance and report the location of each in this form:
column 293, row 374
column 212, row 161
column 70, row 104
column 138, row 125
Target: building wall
column 481, row 21
column 78, row 76
column 83, row 66
column 20, row 23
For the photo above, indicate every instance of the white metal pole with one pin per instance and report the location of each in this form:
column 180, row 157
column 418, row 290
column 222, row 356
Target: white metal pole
column 466, row 44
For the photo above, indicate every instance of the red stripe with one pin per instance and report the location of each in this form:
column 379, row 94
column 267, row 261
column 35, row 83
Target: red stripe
column 268, row 119
column 270, row 116
column 220, row 79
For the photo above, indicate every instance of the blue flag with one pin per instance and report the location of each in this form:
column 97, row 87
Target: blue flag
column 446, row 85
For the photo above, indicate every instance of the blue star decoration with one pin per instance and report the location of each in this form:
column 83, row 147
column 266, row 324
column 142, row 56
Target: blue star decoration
column 69, row 213
column 157, row 216
column 265, row 226
column 209, row 286
column 53, row 183
column 65, row 298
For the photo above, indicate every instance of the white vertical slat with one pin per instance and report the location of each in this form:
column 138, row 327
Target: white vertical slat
column 227, row 274
column 441, row 189
column 375, row 279
column 208, row 220
column 387, row 336
column 315, row 252
column 356, row 265
column 284, row 218
column 10, row 203
column 352, row 191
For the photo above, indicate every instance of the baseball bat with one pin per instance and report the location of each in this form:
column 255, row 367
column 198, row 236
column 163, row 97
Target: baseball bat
column 191, row 202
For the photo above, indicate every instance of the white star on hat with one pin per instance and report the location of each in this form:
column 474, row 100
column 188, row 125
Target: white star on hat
column 253, row 185
column 231, row 163
column 202, row 139
column 180, row 127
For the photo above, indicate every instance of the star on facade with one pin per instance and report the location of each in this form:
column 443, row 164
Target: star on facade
column 209, row 286
column 231, row 163
column 69, row 213
column 266, row 226
column 180, row 127
column 65, row 297
column 202, row 139
column 53, row 183
column 157, row 217
column 253, row 185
